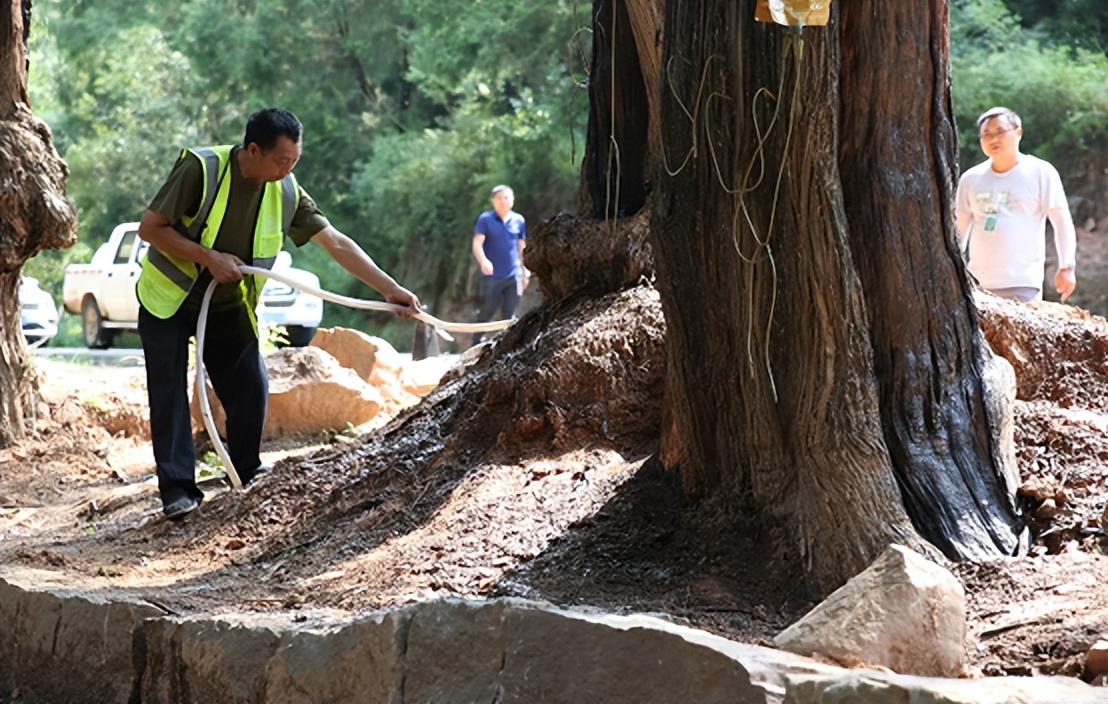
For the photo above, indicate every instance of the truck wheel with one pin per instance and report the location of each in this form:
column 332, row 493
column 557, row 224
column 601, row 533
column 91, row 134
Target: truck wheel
column 299, row 335
column 96, row 336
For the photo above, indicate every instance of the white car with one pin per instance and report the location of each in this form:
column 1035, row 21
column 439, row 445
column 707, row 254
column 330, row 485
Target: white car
column 38, row 314
column 300, row 313
column 102, row 292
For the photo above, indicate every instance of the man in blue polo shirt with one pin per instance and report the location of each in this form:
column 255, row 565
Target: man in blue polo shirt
column 499, row 237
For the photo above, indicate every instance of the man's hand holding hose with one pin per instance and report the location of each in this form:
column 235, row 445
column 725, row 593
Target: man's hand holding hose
column 403, row 297
column 224, row 267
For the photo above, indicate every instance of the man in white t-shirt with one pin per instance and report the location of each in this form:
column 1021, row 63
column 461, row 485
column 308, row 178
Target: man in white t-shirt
column 1002, row 207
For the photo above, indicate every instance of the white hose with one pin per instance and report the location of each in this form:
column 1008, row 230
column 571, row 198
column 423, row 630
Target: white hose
column 440, row 327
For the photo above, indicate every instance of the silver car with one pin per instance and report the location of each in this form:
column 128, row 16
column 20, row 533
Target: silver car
column 38, row 314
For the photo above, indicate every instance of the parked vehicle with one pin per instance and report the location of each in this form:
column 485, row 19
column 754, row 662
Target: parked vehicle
column 102, row 292
column 300, row 313
column 37, row 312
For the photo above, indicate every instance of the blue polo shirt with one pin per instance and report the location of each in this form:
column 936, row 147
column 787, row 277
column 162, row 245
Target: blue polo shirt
column 501, row 241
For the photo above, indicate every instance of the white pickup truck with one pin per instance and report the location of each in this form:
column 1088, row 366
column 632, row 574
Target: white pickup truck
column 102, row 292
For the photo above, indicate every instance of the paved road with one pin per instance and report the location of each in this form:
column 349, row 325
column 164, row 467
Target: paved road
column 116, row 357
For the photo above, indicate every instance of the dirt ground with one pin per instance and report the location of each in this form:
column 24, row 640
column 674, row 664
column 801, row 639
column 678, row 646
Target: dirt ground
column 564, row 503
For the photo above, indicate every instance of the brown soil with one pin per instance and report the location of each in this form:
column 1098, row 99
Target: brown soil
column 531, row 474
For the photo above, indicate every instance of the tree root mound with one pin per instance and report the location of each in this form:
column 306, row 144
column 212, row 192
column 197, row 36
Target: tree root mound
column 1060, row 356
column 498, row 462
column 1060, row 353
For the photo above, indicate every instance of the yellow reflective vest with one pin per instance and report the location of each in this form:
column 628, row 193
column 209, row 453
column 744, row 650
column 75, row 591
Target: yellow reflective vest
column 166, row 280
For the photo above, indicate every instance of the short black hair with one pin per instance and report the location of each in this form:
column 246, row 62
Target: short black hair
column 265, row 127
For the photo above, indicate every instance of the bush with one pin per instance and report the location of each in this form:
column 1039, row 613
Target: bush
column 1060, row 92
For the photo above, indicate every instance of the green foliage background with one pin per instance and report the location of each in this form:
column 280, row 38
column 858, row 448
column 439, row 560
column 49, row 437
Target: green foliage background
column 1049, row 65
column 413, row 109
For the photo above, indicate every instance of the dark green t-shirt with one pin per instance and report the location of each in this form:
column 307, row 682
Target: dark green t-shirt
column 180, row 196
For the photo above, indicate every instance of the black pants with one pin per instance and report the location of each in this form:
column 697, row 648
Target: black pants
column 234, row 364
column 499, row 294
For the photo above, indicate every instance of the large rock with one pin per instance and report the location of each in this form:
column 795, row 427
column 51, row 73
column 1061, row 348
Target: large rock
column 903, row 612
column 1057, row 351
column 422, row 377
column 60, row 645
column 358, row 662
column 355, row 350
column 557, row 656
column 309, row 392
column 276, row 659
column 513, row 652
column 464, row 652
column 374, row 360
column 344, row 376
column 436, row 670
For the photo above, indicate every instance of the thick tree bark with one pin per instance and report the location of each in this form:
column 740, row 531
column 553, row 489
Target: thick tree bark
column 15, row 18
column 771, row 375
column 18, row 385
column 646, row 20
column 34, row 212
column 616, row 167
column 898, row 163
column 823, row 358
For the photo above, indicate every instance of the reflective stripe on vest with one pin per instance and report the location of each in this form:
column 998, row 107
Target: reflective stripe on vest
column 166, row 280
column 169, row 269
column 210, row 163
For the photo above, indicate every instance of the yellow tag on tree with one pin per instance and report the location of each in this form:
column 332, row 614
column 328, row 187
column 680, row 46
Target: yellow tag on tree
column 794, row 13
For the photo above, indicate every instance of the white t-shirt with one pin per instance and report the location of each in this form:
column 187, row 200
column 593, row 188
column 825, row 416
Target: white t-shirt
column 1004, row 218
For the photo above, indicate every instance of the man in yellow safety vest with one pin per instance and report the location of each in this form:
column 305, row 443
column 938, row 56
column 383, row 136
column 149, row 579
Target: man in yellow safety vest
column 220, row 208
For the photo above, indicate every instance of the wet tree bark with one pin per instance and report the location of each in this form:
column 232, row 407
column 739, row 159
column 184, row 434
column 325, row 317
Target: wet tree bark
column 824, row 367
column 34, row 212
column 771, row 373
column 898, row 165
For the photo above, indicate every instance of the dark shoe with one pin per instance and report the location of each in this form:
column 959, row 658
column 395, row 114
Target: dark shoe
column 179, row 508
column 248, row 478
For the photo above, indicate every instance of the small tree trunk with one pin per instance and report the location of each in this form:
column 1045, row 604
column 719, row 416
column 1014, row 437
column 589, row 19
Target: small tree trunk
column 17, row 378
column 34, row 212
column 15, row 18
column 616, row 164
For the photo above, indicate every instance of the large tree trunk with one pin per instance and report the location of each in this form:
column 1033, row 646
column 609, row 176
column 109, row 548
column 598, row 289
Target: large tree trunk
column 898, row 164
column 34, row 212
column 771, row 373
column 823, row 358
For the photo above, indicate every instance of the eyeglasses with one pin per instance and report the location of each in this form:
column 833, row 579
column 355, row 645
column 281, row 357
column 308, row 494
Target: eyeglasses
column 996, row 133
